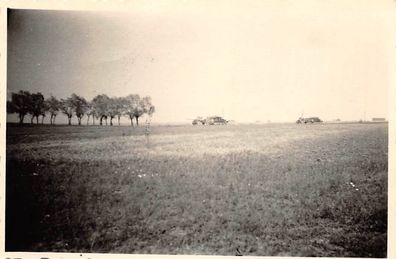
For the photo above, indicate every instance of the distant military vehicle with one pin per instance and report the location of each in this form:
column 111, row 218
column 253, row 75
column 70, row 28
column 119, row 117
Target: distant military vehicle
column 213, row 120
column 308, row 120
column 198, row 121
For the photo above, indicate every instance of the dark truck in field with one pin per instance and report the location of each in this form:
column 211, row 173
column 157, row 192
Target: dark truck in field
column 198, row 121
column 308, row 120
column 214, row 120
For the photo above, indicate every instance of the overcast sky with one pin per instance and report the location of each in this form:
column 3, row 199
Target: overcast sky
column 246, row 60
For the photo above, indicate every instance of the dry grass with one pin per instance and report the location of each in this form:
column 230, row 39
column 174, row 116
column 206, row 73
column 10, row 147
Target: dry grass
column 265, row 190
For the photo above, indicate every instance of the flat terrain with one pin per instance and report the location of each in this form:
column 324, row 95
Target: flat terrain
column 276, row 189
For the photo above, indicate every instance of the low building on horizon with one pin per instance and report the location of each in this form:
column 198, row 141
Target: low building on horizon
column 378, row 119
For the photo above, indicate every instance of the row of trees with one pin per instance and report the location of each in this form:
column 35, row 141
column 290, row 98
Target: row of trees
column 101, row 107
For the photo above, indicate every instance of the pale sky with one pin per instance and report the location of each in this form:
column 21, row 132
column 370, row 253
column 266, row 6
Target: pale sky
column 247, row 60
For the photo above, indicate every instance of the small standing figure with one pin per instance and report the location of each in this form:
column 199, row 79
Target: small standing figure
column 147, row 130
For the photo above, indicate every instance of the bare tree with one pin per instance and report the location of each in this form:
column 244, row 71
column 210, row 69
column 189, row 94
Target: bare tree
column 101, row 106
column 112, row 109
column 90, row 112
column 144, row 106
column 138, row 112
column 20, row 103
column 131, row 102
column 120, row 108
column 79, row 106
column 115, row 109
column 53, row 106
column 37, row 106
column 67, row 108
column 44, row 111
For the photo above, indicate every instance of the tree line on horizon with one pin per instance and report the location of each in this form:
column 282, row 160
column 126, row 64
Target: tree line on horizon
column 101, row 107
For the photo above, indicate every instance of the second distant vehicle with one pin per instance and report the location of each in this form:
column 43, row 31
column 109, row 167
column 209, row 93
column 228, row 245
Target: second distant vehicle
column 214, row 120
column 198, row 121
column 308, row 120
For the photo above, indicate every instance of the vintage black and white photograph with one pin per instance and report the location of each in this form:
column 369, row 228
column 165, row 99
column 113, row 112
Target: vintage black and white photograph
column 233, row 128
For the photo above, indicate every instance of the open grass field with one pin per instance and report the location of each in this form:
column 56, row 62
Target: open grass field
column 276, row 189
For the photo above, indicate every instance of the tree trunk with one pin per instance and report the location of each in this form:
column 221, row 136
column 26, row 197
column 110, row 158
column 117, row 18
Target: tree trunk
column 37, row 119
column 111, row 121
column 88, row 120
column 21, row 117
column 54, row 119
column 131, row 118
column 93, row 119
column 52, row 116
column 69, row 117
column 137, row 121
column 119, row 120
column 79, row 121
column 101, row 121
